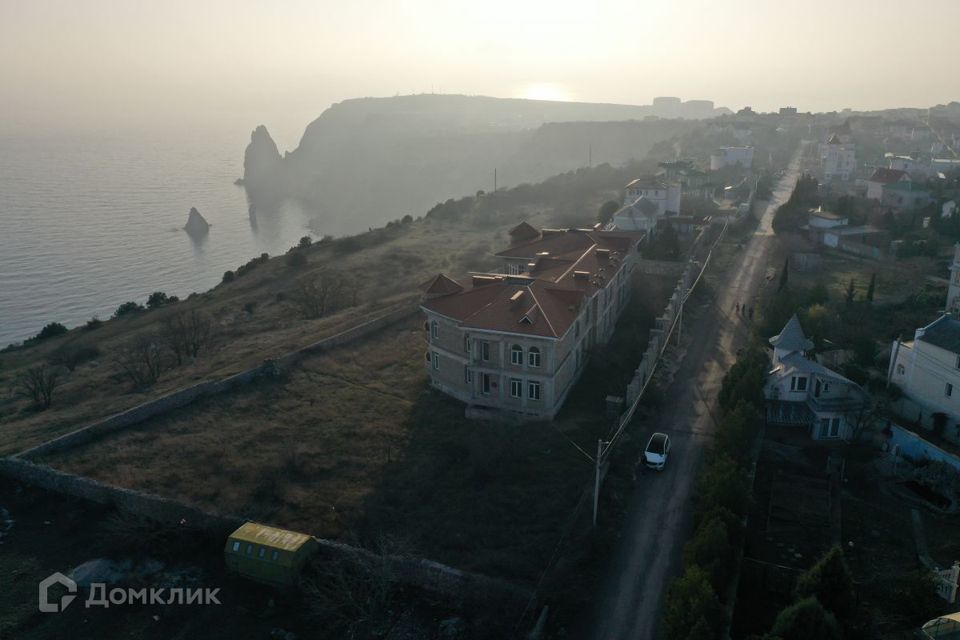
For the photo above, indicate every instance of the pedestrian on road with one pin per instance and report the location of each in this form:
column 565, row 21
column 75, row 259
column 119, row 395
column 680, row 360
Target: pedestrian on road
column 738, row 307
column 751, row 313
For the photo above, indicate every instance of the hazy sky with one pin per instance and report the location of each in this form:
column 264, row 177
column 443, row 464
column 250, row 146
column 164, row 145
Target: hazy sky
column 102, row 63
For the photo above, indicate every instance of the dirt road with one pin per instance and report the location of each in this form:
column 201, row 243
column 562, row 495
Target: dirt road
column 628, row 605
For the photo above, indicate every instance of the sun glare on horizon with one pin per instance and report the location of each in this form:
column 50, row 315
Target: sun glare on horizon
column 545, row 91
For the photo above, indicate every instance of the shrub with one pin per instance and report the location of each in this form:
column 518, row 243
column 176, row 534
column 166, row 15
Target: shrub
column 128, row 308
column 74, row 353
column 252, row 264
column 806, row 620
column 296, row 259
column 158, row 298
column 710, row 549
column 689, row 600
column 737, row 431
column 829, row 582
column 93, row 323
column 305, row 242
column 142, row 361
column 228, row 276
column 722, row 484
column 187, row 333
column 51, row 330
column 38, row 383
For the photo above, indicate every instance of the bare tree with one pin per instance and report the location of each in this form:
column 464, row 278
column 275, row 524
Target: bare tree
column 142, row 361
column 319, row 294
column 38, row 383
column 187, row 333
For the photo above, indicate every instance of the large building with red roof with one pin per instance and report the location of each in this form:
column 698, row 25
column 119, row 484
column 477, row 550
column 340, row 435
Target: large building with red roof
column 512, row 344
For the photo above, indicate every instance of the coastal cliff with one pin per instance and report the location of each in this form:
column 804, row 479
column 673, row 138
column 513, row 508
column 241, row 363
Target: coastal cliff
column 369, row 160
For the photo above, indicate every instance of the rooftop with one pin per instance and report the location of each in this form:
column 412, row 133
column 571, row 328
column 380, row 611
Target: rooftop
column 906, row 186
column 944, row 332
column 564, row 267
column 649, row 182
column 826, row 215
column 270, row 536
column 886, row 176
column 792, row 338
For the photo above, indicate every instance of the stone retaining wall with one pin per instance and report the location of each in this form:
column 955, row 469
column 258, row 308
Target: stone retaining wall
column 185, row 396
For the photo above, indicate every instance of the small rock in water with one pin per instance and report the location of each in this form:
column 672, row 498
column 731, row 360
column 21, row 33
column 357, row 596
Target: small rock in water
column 196, row 224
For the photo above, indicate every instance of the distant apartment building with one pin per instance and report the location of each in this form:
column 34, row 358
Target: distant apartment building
column 880, row 178
column 838, row 159
column 511, row 345
column 788, row 111
column 731, row 156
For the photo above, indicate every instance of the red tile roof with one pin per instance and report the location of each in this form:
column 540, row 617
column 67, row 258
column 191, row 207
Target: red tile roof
column 568, row 266
column 524, row 231
column 440, row 285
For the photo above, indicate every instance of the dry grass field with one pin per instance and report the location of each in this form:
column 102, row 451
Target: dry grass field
column 355, row 445
column 253, row 318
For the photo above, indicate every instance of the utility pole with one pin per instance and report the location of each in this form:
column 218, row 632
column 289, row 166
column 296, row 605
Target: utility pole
column 494, row 180
column 590, row 156
column 596, row 482
column 680, row 320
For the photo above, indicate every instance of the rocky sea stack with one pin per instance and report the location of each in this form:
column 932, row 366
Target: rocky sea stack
column 261, row 159
column 196, row 226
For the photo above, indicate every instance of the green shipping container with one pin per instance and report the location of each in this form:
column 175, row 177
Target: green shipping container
column 267, row 554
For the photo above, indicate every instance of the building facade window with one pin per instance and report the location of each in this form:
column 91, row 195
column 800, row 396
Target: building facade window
column 798, row 383
column 516, row 355
column 485, row 383
column 533, row 358
column 516, row 388
column 948, row 390
column 436, row 361
column 533, row 390
column 901, row 370
column 467, row 375
column 829, row 427
column 484, row 350
column 435, row 329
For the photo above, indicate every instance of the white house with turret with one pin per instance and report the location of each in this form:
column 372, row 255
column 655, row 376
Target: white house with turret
column 803, row 393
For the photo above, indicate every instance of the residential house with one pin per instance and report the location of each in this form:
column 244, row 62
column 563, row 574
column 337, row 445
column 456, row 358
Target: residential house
column 948, row 209
column 730, row 157
column 947, row 166
column 905, row 196
column 865, row 241
column 662, row 192
column 642, row 214
column 912, row 164
column 953, row 290
column 927, row 371
column 511, row 345
column 693, row 182
column 881, row 177
column 803, row 393
column 838, row 159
